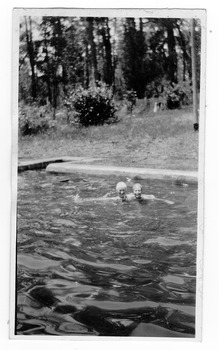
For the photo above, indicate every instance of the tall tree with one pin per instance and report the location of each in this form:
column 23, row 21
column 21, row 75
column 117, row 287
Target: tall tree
column 75, row 53
column 108, row 69
column 134, row 57
column 164, row 46
column 172, row 55
column 90, row 33
column 50, row 65
column 31, row 55
column 184, row 42
column 61, row 53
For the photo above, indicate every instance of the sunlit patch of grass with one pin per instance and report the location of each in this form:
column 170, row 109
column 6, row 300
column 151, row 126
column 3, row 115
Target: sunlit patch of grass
column 163, row 124
column 164, row 139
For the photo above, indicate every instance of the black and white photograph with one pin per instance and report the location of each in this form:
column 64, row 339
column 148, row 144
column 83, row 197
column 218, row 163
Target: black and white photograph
column 108, row 173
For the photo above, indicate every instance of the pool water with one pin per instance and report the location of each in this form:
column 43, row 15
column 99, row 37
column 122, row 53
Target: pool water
column 104, row 268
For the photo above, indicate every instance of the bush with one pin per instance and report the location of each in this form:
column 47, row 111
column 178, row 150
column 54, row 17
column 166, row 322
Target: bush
column 130, row 99
column 93, row 106
column 172, row 95
column 34, row 119
column 177, row 94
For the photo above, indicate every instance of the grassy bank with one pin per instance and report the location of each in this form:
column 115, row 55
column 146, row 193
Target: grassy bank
column 144, row 139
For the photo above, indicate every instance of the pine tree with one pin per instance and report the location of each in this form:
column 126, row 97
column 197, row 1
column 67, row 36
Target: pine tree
column 134, row 57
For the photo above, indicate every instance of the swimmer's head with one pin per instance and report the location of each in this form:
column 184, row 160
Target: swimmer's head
column 121, row 185
column 137, row 188
column 121, row 189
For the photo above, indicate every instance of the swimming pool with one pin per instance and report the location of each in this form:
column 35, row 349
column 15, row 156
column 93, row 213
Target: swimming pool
column 104, row 268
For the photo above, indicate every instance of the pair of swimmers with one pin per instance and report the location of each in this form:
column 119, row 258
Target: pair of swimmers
column 121, row 189
column 137, row 193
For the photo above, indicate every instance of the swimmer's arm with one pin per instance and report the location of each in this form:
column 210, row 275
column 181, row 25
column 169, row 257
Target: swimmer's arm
column 107, row 195
column 104, row 198
column 164, row 200
column 148, row 196
column 151, row 196
column 78, row 199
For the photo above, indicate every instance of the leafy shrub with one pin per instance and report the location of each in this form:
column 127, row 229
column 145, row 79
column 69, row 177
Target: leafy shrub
column 130, row 99
column 34, row 119
column 172, row 94
column 93, row 106
column 177, row 94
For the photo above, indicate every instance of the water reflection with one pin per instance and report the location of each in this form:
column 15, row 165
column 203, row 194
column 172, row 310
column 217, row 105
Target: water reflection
column 115, row 269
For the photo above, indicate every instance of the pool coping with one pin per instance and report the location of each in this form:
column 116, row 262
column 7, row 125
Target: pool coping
column 37, row 164
column 69, row 165
column 134, row 173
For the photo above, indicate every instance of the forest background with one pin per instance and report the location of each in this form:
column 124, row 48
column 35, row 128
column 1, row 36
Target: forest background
column 116, row 88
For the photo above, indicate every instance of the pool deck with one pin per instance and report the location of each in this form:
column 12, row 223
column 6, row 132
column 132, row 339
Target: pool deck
column 70, row 165
column 37, row 164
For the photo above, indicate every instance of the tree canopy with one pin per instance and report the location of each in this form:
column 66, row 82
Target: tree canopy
column 60, row 54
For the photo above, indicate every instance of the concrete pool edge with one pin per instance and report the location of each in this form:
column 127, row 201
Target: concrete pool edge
column 135, row 173
column 37, row 164
column 70, row 165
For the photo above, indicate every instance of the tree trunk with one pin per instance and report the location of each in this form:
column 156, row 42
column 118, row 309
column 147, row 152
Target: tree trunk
column 47, row 75
column 114, row 54
column 172, row 58
column 186, row 57
column 184, row 68
column 140, row 25
column 194, row 77
column 30, row 50
column 93, row 49
column 86, row 67
column 108, row 78
column 55, row 96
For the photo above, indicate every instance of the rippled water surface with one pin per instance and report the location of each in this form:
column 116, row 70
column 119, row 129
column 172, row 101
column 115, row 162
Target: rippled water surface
column 103, row 267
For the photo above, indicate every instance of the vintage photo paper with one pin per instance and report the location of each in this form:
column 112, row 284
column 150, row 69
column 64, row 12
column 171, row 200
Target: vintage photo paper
column 108, row 174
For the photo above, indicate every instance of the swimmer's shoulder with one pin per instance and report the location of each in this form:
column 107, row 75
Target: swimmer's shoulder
column 130, row 196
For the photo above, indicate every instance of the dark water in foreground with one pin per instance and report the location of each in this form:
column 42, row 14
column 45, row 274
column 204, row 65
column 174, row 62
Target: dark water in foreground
column 104, row 268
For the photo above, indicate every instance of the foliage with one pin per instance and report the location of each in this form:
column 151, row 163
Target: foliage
column 72, row 55
column 176, row 95
column 92, row 106
column 130, row 99
column 134, row 63
column 34, row 119
column 59, row 54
